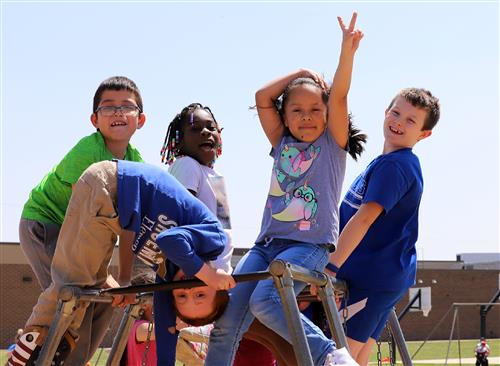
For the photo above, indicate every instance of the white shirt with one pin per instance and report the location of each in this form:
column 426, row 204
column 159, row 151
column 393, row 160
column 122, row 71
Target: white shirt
column 209, row 187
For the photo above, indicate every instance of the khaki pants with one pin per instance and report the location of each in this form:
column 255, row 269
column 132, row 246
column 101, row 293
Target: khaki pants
column 85, row 243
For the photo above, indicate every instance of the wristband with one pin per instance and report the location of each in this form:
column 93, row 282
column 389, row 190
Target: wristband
column 332, row 267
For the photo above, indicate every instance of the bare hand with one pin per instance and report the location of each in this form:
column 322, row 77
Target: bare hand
column 216, row 278
column 222, row 280
column 318, row 79
column 119, row 300
column 313, row 289
column 351, row 36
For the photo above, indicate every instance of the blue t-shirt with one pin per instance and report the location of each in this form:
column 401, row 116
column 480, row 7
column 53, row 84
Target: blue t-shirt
column 305, row 191
column 386, row 257
column 174, row 229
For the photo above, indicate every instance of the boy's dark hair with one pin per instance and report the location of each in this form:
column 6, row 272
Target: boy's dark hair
column 170, row 148
column 422, row 98
column 356, row 137
column 117, row 83
column 221, row 300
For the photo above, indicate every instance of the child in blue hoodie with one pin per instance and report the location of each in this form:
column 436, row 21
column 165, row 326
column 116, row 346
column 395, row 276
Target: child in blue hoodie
column 157, row 220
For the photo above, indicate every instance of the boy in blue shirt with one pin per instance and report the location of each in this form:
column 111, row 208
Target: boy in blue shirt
column 161, row 223
column 375, row 251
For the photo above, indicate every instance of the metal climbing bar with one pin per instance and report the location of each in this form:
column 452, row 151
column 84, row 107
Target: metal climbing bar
column 254, row 276
column 70, row 299
column 327, row 296
column 132, row 313
column 283, row 275
column 397, row 333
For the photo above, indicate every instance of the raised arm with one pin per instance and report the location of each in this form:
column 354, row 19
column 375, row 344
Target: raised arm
column 338, row 122
column 267, row 95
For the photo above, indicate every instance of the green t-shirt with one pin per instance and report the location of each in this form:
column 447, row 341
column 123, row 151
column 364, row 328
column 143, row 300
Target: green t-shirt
column 49, row 200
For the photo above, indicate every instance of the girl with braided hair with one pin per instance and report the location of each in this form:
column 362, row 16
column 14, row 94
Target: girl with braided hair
column 192, row 145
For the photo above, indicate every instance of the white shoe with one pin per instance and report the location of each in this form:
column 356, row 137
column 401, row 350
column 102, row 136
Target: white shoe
column 340, row 357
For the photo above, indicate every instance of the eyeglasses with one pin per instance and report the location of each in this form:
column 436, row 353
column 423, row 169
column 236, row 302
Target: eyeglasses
column 126, row 110
column 307, row 196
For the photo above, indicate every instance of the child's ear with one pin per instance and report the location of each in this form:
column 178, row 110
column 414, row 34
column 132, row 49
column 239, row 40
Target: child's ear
column 424, row 134
column 93, row 119
column 142, row 120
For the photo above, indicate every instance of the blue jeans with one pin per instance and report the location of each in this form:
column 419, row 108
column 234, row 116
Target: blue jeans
column 249, row 300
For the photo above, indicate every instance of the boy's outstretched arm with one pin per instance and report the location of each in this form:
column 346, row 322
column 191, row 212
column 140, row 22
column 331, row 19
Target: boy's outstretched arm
column 266, row 96
column 354, row 232
column 182, row 245
column 338, row 123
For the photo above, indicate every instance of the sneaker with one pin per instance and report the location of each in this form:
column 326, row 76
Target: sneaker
column 30, row 343
column 340, row 357
column 27, row 347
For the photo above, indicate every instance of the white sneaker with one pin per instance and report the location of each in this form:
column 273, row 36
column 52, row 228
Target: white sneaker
column 340, row 357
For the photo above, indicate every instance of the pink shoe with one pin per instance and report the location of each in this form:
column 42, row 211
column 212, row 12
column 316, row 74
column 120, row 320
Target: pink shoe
column 340, row 357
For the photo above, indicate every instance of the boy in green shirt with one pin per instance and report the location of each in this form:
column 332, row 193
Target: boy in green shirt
column 117, row 114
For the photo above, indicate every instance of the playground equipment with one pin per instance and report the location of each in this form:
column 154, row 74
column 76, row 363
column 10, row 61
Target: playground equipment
column 455, row 325
column 283, row 274
column 483, row 312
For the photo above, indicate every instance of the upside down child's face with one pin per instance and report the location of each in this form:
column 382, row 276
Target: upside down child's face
column 196, row 302
column 200, row 137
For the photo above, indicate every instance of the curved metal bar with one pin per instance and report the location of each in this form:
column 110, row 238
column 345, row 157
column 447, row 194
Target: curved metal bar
column 254, row 276
column 283, row 275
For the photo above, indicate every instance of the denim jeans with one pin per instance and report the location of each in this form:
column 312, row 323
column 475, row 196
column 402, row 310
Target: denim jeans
column 249, row 300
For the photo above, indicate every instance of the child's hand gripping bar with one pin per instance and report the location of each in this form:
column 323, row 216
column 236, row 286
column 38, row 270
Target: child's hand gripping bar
column 253, row 276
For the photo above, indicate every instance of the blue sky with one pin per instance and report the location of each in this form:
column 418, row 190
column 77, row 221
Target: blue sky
column 55, row 54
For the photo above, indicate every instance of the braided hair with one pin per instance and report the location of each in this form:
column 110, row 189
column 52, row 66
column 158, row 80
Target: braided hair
column 170, row 149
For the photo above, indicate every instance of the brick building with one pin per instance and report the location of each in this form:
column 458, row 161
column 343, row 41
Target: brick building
column 453, row 282
column 450, row 282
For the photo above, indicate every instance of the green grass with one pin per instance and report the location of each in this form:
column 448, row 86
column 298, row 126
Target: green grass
column 437, row 350
column 430, row 351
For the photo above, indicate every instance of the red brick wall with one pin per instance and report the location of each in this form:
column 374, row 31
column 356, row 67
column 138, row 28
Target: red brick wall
column 453, row 286
column 17, row 298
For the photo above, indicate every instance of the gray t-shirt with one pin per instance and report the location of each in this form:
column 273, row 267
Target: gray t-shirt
column 304, row 195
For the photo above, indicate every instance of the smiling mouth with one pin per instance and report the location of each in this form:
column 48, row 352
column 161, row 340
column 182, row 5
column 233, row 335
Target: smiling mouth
column 396, row 131
column 118, row 123
column 207, row 145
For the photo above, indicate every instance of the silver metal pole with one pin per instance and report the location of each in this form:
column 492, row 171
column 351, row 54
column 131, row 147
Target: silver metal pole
column 71, row 298
column 455, row 313
column 283, row 281
column 132, row 313
column 64, row 315
column 397, row 333
column 327, row 295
